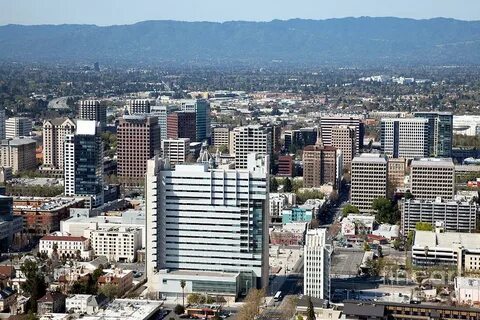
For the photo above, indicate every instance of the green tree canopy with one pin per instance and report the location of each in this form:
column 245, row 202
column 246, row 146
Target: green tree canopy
column 386, row 211
column 179, row 309
column 423, row 226
column 349, row 208
column 109, row 290
column 34, row 284
column 273, row 185
column 287, row 186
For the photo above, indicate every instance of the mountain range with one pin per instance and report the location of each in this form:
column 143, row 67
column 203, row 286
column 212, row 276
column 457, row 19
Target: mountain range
column 335, row 42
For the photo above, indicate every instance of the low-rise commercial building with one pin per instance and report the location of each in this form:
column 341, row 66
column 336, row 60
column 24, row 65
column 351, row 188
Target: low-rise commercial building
column 279, row 201
column 356, row 224
column 51, row 302
column 132, row 309
column 296, row 214
column 116, row 243
column 355, row 309
column 122, row 279
column 76, row 225
column 42, row 216
column 467, row 290
column 65, row 246
column 447, row 248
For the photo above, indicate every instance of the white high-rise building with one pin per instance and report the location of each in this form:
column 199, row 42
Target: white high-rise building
column 18, row 127
column 138, row 106
column 369, row 180
column 93, row 110
column 248, row 139
column 316, row 277
column 176, row 150
column 207, row 227
column 405, row 137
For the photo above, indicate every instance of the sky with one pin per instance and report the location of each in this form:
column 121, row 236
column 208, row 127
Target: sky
column 111, row 12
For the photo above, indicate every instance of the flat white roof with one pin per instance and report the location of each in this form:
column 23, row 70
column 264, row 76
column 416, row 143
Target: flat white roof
column 467, row 282
column 433, row 162
column 447, row 240
column 420, row 120
column 130, row 309
column 370, row 158
column 86, row 127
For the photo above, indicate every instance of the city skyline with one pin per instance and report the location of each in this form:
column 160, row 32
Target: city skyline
column 106, row 13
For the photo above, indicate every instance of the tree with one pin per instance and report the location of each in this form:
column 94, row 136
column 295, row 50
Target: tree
column 310, row 310
column 366, row 246
column 386, row 211
column 273, row 185
column 380, row 252
column 287, row 186
column 109, row 290
column 373, row 267
column 251, row 308
column 423, row 226
column 349, row 208
column 195, row 298
column 309, row 194
column 179, row 309
column 288, row 307
column 396, row 244
column 182, row 285
column 34, row 283
column 97, row 273
column 408, row 195
column 410, row 237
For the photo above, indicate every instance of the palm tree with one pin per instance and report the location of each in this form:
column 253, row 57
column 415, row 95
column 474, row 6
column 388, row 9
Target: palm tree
column 182, row 284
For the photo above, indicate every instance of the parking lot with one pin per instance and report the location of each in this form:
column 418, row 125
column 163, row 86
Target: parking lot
column 345, row 262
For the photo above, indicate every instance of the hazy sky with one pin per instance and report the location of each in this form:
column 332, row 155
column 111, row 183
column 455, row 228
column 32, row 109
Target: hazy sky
column 108, row 12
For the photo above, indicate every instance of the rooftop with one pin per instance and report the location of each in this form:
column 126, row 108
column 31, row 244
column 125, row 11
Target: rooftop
column 43, row 204
column 419, row 120
column 464, row 282
column 370, row 158
column 130, row 309
column 62, row 238
column 86, row 127
column 433, row 162
column 448, row 240
column 20, row 141
column 51, row 296
column 204, row 274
